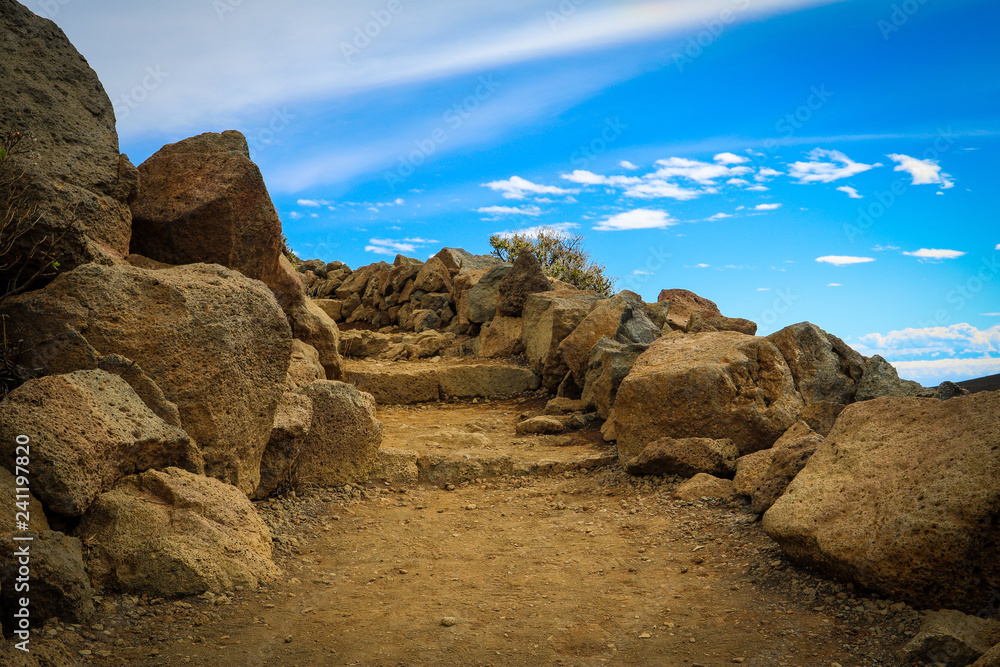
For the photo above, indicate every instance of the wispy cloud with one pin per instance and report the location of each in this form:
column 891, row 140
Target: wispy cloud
column 935, row 253
column 844, row 260
column 640, row 218
column 510, row 210
column 625, row 164
column 834, row 285
column 516, row 187
column 851, row 192
column 884, row 248
column 397, row 246
column 767, row 207
column 932, row 372
column 730, row 158
column 826, row 166
column 923, row 172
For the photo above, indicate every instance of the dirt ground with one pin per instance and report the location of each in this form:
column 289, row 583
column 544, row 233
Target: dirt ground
column 586, row 567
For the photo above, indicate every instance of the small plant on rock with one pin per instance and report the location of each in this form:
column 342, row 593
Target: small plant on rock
column 561, row 256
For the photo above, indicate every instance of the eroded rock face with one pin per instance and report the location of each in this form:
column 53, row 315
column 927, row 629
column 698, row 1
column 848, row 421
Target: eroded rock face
column 89, row 429
column 525, row 278
column 549, row 317
column 480, row 303
column 169, row 533
column 881, row 379
column 824, row 367
column 204, row 200
column 710, row 385
column 74, row 173
column 59, row 586
column 683, row 303
column 213, row 340
column 610, row 362
column 902, row 498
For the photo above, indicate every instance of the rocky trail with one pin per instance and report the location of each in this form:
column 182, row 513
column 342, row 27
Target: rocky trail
column 510, row 550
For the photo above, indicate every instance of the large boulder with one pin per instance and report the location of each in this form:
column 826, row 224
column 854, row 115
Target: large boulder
column 170, row 533
column 213, row 340
column 433, row 276
column 481, row 299
column 549, row 317
column 686, row 457
column 951, row 638
column 526, row 277
column 825, row 368
column 622, row 317
column 502, row 337
column 462, row 261
column 58, row 583
column 485, row 380
column 682, row 304
column 461, row 285
column 88, row 429
column 610, row 362
column 143, row 385
column 344, row 435
column 903, row 498
column 303, row 367
column 787, row 460
column 75, row 182
column 204, row 200
column 709, row 385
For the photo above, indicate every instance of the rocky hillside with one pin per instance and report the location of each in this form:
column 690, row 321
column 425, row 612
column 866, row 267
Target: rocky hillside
column 179, row 366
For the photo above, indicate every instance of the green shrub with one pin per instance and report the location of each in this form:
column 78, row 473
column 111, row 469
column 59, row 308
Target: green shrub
column 561, row 255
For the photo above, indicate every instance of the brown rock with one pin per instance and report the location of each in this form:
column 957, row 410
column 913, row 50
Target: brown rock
column 433, row 277
column 461, row 284
column 821, row 416
column 542, row 425
column 699, row 323
column 59, row 587
column 343, row 438
column 170, row 533
column 363, row 344
column 749, row 469
column 279, row 465
column 313, row 326
column 525, row 278
column 682, row 304
column 397, row 388
column 711, row 385
column 704, row 485
column 304, row 367
column 610, row 363
column 902, row 498
column 143, row 385
column 204, row 200
column 824, row 367
column 88, row 429
column 485, row 380
column 214, row 341
column 549, row 317
column 786, row 462
column 949, row 637
column 881, row 379
column 501, row 337
column 685, row 457
column 77, row 183
column 480, row 302
column 607, row 318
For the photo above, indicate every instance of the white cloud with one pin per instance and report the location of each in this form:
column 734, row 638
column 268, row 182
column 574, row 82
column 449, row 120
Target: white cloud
column 737, row 181
column 990, row 314
column 844, row 260
column 516, row 187
column 884, row 248
column 766, row 173
column 584, row 177
column 640, row 218
column 660, row 188
column 625, row 164
column 397, row 246
column 730, row 158
column 510, row 210
column 559, row 228
column 923, row 172
column 704, row 173
column 640, row 272
column 763, row 289
column 935, row 253
column 758, row 188
column 720, row 216
column 308, row 203
column 851, row 192
column 834, row 285
column 954, row 340
column 702, row 266
column 997, row 247
column 826, row 166
column 767, row 207
column 295, row 215
column 932, row 372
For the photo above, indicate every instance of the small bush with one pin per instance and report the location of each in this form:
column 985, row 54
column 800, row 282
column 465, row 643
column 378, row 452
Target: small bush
column 561, row 255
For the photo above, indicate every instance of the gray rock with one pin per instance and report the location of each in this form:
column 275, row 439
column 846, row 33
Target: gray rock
column 824, row 367
column 526, row 277
column 483, row 296
column 881, row 379
column 610, row 361
column 951, row 638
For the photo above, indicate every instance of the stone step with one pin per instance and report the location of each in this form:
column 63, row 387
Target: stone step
column 450, row 443
column 406, row 383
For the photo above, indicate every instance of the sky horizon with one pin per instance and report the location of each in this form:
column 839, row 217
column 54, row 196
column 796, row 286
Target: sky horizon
column 831, row 161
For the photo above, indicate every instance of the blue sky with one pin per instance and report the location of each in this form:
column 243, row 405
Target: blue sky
column 830, row 161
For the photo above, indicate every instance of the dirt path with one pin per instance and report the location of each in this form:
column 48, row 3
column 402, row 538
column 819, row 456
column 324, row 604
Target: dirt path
column 588, row 567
